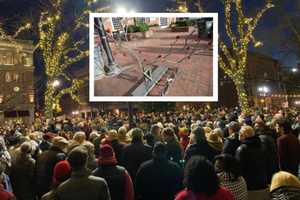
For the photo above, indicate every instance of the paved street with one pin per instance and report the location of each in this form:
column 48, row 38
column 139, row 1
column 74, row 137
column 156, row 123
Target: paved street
column 189, row 60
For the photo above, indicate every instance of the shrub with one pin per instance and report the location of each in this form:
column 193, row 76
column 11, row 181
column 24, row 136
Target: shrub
column 142, row 27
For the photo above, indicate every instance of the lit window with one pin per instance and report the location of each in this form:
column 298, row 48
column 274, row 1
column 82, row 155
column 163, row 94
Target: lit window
column 8, row 59
column 8, row 77
column 16, row 77
column 31, row 98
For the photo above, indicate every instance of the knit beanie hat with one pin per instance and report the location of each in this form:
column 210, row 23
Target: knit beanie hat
column 107, row 155
column 62, row 172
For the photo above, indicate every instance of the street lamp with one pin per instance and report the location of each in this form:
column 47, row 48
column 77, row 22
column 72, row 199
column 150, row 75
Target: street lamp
column 121, row 10
column 55, row 83
column 263, row 89
column 294, row 70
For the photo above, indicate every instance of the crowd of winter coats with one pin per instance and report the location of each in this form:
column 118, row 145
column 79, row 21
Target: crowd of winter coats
column 245, row 159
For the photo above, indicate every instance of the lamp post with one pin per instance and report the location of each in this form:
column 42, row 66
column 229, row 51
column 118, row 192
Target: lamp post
column 112, row 69
column 263, row 91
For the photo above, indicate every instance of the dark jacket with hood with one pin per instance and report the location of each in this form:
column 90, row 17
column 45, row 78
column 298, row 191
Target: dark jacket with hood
column 252, row 159
column 158, row 179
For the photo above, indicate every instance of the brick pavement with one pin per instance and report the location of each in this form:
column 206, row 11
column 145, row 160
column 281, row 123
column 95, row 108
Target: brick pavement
column 194, row 74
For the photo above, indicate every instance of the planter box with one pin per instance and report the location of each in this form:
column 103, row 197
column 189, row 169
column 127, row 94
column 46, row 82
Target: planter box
column 180, row 29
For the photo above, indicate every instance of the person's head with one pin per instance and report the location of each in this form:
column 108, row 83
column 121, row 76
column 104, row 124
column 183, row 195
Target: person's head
column 155, row 129
column 90, row 147
column 122, row 131
column 246, row 132
column 200, row 176
column 137, row 135
column 79, row 137
column 107, row 155
column 197, row 135
column 283, row 126
column 112, row 135
column 159, row 151
column 60, row 142
column 233, row 127
column 78, row 158
column 26, row 148
column 168, row 134
column 61, row 172
column 228, row 164
column 284, row 179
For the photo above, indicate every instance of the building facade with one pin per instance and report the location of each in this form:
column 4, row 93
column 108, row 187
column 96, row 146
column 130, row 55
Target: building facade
column 262, row 81
column 17, row 96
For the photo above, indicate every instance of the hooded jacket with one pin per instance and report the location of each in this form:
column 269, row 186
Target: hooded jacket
column 252, row 159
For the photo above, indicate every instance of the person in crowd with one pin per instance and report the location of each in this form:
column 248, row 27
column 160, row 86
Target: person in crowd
column 122, row 135
column 215, row 140
column 184, row 140
column 288, row 147
column 201, row 182
column 252, row 159
column 5, row 195
column 270, row 150
column 46, row 142
column 81, row 185
column 22, row 174
column 78, row 139
column 61, row 172
column 91, row 163
column 232, row 142
column 113, row 141
column 285, row 185
column 199, row 146
column 46, row 162
column 150, row 140
column 229, row 173
column 174, row 151
column 119, row 182
column 158, row 178
column 156, row 132
column 136, row 153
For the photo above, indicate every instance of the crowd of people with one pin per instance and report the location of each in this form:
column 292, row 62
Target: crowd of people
column 186, row 155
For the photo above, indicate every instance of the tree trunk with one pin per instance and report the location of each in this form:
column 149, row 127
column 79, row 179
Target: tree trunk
column 242, row 95
column 49, row 101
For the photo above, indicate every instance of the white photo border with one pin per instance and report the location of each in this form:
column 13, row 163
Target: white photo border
column 213, row 98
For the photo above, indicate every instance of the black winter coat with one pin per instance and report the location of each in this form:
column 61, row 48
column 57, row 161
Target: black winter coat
column 270, row 150
column 115, row 178
column 252, row 159
column 200, row 149
column 44, row 168
column 134, row 155
column 159, row 180
column 231, row 144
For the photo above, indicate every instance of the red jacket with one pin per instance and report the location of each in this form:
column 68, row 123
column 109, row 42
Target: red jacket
column 4, row 195
column 221, row 194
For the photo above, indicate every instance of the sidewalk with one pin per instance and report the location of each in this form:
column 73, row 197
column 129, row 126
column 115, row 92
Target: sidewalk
column 194, row 73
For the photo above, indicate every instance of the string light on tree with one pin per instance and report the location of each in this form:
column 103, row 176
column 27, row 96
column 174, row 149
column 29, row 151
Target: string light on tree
column 60, row 51
column 233, row 58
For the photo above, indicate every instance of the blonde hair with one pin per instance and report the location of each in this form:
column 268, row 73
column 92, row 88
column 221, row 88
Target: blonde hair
column 247, row 131
column 283, row 178
column 79, row 137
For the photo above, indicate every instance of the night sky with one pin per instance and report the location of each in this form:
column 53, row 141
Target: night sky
column 272, row 30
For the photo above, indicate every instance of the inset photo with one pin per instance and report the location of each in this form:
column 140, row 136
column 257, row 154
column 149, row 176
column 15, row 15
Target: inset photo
column 153, row 57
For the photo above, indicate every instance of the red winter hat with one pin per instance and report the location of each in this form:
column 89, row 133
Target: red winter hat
column 62, row 172
column 107, row 155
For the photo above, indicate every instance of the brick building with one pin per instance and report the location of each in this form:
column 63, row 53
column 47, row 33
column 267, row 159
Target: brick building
column 17, row 97
column 262, row 71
